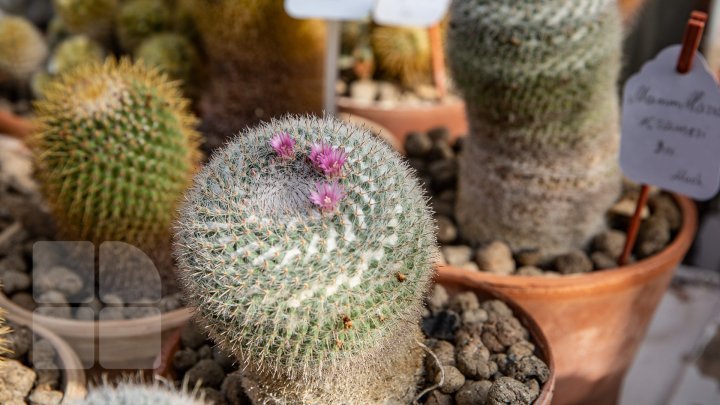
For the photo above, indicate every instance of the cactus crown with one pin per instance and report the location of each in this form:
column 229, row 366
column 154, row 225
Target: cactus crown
column 93, row 17
column 74, row 51
column 22, row 47
column 115, row 151
column 138, row 19
column 403, row 53
column 172, row 54
column 127, row 393
column 291, row 288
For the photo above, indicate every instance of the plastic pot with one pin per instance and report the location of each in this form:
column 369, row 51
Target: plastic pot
column 172, row 344
column 72, row 369
column 596, row 321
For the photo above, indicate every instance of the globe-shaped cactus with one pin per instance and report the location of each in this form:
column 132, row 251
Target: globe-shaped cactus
column 139, row 19
column 92, row 17
column 306, row 246
column 22, row 48
column 403, row 53
column 172, row 54
column 129, row 393
column 74, row 51
column 115, row 151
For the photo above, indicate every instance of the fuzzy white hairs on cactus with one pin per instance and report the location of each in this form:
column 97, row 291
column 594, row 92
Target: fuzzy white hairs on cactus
column 310, row 300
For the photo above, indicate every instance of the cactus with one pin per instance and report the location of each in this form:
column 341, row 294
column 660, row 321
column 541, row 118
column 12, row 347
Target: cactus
column 172, row 54
column 262, row 63
column 139, row 19
column 4, row 330
column 22, row 48
column 74, row 51
column 92, row 17
column 127, row 393
column 403, row 53
column 539, row 169
column 309, row 261
column 115, row 150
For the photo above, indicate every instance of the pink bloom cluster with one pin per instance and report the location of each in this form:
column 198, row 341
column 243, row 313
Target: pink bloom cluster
column 327, row 196
column 327, row 159
column 283, row 145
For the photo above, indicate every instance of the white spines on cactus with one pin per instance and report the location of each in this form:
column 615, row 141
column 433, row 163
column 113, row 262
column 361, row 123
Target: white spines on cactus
column 306, row 246
column 135, row 393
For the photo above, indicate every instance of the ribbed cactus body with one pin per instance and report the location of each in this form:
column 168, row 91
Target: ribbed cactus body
column 403, row 53
column 92, row 17
column 139, row 19
column 127, row 393
column 262, row 63
column 539, row 79
column 115, row 151
column 320, row 306
column 22, row 48
column 172, row 54
column 74, row 51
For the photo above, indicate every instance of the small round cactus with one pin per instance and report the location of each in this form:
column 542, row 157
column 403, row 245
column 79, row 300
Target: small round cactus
column 139, row 19
column 115, row 151
column 306, row 246
column 92, row 17
column 72, row 52
column 403, row 53
column 127, row 393
column 22, row 48
column 172, row 54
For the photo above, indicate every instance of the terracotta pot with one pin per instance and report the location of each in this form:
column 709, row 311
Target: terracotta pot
column 172, row 343
column 72, row 369
column 13, row 125
column 125, row 344
column 595, row 321
column 402, row 120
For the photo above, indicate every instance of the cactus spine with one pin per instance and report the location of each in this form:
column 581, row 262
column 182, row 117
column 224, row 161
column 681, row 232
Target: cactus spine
column 403, row 53
column 539, row 79
column 321, row 305
column 127, row 393
column 22, row 48
column 262, row 62
column 115, row 151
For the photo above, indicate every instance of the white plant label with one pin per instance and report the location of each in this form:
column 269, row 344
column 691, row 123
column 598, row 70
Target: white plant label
column 671, row 127
column 423, row 13
column 329, row 9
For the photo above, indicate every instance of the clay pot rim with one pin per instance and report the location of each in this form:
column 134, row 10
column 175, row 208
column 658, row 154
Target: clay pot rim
column 449, row 102
column 601, row 280
column 110, row 329
column 75, row 380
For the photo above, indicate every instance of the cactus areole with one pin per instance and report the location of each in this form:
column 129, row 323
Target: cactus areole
column 292, row 267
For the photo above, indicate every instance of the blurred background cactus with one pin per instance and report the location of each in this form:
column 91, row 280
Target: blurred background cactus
column 74, row 51
column 262, row 63
column 22, row 48
column 316, row 287
column 135, row 393
column 174, row 55
column 403, row 54
column 139, row 19
column 115, row 150
column 539, row 169
column 91, row 17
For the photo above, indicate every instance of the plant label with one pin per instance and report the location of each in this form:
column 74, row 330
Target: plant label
column 329, row 9
column 671, row 127
column 422, row 13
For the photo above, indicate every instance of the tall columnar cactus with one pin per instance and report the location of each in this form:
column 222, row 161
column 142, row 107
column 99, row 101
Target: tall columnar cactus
column 115, row 150
column 128, row 393
column 22, row 48
column 172, row 54
column 139, row 19
column 92, row 17
column 306, row 246
column 74, row 51
column 403, row 53
column 540, row 168
column 262, row 63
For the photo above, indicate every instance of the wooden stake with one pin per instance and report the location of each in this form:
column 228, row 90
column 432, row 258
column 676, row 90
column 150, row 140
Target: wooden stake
column 438, row 60
column 691, row 41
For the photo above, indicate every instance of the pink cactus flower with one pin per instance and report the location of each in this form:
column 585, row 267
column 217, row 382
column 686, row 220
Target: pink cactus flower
column 283, row 145
column 327, row 159
column 327, row 196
